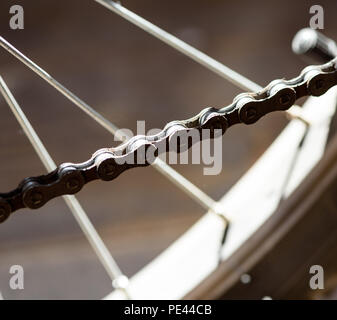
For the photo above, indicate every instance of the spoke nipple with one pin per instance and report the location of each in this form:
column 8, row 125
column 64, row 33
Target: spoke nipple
column 120, row 282
column 246, row 278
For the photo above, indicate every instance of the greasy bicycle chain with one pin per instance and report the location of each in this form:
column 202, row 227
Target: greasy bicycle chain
column 108, row 163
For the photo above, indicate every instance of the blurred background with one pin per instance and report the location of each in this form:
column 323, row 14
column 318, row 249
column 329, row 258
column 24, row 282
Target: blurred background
column 127, row 75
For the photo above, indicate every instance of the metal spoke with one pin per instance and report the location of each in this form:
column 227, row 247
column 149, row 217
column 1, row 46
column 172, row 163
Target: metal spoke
column 193, row 191
column 198, row 56
column 186, row 49
column 75, row 207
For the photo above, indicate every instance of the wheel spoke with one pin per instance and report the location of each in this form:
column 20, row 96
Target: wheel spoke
column 190, row 189
column 73, row 204
column 191, row 52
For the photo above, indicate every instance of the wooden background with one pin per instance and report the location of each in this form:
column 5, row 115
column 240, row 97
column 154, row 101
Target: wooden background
column 127, row 75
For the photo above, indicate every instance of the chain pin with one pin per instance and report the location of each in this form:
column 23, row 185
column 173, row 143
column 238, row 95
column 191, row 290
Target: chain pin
column 36, row 198
column 72, row 184
column 284, row 99
column 251, row 113
column 107, row 169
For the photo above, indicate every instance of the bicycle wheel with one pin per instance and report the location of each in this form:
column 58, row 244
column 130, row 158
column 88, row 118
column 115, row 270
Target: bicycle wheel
column 77, row 66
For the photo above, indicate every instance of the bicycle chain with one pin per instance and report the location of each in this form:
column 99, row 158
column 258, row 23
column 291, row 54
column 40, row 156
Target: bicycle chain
column 108, row 163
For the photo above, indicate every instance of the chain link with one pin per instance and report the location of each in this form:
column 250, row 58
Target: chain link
column 108, row 163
